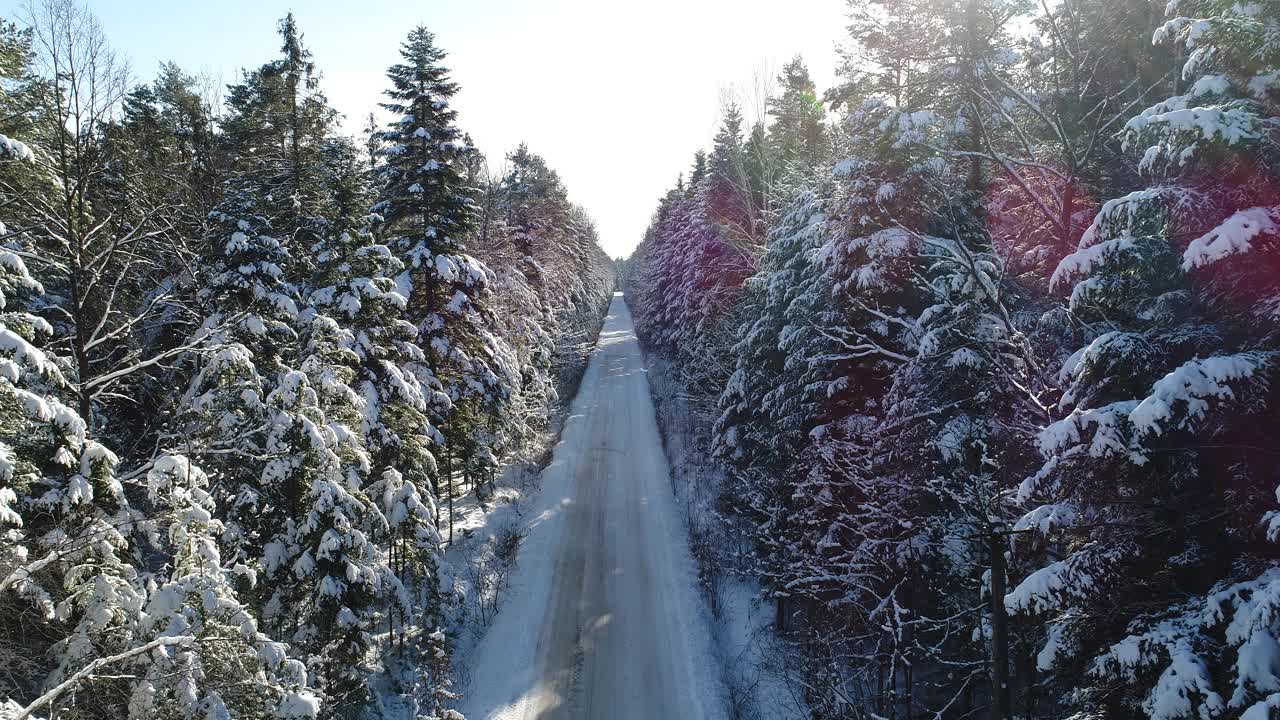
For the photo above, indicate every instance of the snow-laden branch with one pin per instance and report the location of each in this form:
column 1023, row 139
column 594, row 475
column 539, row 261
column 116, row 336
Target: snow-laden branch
column 91, row 668
column 864, row 346
column 104, row 380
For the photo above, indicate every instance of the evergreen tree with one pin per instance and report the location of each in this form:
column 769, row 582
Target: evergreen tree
column 163, row 177
column 762, row 170
column 229, row 668
column 536, row 205
column 428, row 211
column 275, row 132
column 798, row 127
column 423, row 200
column 251, row 319
column 762, row 425
column 375, row 351
column 334, row 389
column 729, row 196
column 327, row 575
column 1175, row 294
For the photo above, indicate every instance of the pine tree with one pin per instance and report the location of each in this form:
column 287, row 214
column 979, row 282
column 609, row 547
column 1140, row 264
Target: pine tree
column 162, row 177
column 891, row 55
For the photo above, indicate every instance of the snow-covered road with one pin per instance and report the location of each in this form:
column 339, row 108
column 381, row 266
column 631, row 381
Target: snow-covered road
column 604, row 621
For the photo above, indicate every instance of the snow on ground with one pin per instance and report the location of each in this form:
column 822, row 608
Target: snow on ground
column 755, row 658
column 603, row 619
column 760, row 683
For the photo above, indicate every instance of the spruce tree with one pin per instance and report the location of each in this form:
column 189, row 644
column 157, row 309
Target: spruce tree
column 376, row 350
column 1164, row 400
column 428, row 210
column 423, row 200
column 277, row 124
column 535, row 203
column 230, row 668
column 251, row 315
column 325, row 571
column 762, row 427
column 729, row 199
column 798, row 128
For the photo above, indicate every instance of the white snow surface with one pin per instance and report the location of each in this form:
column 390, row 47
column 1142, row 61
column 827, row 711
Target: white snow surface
column 604, row 619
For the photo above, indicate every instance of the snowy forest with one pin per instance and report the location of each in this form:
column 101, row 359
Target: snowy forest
column 963, row 374
column 248, row 365
column 970, row 360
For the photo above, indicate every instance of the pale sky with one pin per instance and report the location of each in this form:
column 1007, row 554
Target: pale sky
column 616, row 95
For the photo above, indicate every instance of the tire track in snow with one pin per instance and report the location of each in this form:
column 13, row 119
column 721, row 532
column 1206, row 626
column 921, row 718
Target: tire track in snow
column 604, row 621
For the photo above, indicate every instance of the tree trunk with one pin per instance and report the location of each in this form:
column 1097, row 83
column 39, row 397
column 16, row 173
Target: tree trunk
column 448, row 484
column 999, row 628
